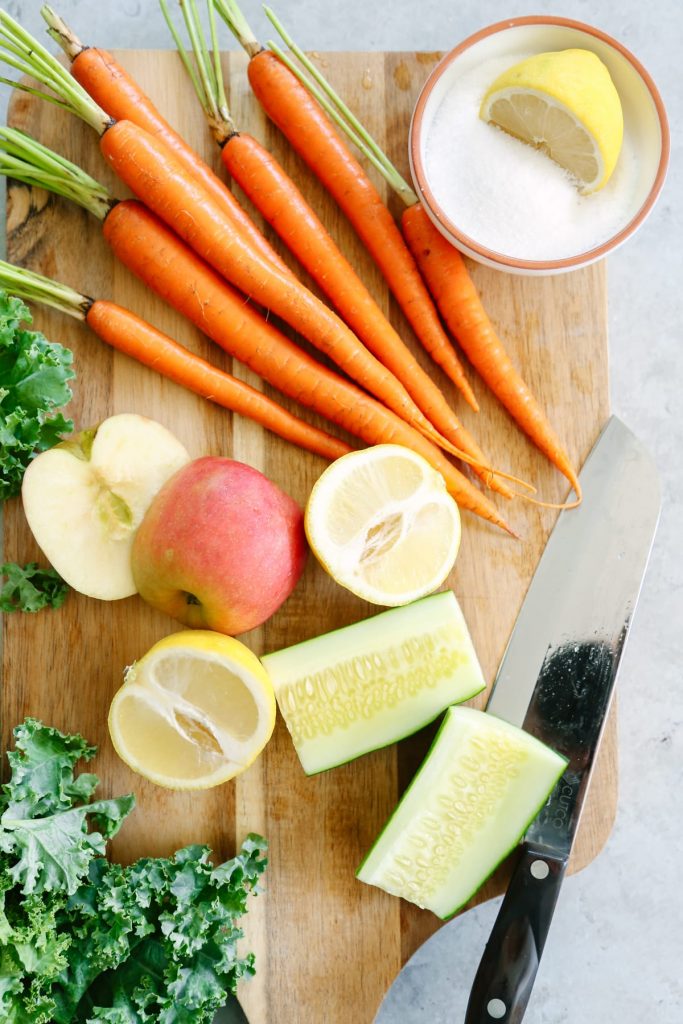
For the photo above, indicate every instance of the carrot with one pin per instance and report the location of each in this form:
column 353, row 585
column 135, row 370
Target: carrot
column 161, row 260
column 450, row 283
column 314, row 138
column 281, row 203
column 446, row 275
column 152, row 171
column 113, row 89
column 155, row 255
column 127, row 333
column 131, row 335
column 283, row 206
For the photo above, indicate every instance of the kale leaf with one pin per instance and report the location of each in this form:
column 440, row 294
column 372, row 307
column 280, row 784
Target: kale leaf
column 29, row 589
column 85, row 940
column 34, row 375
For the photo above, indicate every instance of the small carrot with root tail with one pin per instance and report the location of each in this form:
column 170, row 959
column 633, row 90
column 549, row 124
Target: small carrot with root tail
column 166, row 265
column 151, row 170
column 279, row 200
column 309, row 131
column 128, row 333
column 444, row 271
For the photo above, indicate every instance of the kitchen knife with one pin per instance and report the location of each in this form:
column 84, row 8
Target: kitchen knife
column 556, row 680
column 231, row 1013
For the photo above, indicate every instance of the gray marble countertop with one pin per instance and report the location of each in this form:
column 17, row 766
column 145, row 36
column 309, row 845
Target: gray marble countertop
column 614, row 953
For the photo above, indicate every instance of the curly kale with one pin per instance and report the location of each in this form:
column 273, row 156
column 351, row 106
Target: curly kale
column 29, row 589
column 34, row 375
column 82, row 939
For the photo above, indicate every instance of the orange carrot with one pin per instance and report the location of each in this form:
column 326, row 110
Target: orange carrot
column 274, row 193
column 315, row 139
column 121, row 97
column 450, row 283
column 283, row 206
column 160, row 176
column 442, row 266
column 160, row 259
column 129, row 334
column 151, row 171
column 165, row 264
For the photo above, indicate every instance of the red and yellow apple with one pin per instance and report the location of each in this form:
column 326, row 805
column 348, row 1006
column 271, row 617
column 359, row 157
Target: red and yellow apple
column 220, row 547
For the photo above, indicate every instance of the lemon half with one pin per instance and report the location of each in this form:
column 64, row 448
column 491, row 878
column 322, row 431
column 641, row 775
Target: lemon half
column 195, row 711
column 382, row 523
column 566, row 104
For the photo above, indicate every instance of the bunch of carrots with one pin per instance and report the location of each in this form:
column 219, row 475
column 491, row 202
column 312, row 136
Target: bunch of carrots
column 187, row 237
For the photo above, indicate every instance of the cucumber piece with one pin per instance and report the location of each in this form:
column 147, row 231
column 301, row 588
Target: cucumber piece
column 362, row 687
column 472, row 799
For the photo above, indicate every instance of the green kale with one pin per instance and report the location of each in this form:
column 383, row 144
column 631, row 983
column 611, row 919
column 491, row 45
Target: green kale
column 29, row 589
column 82, row 939
column 34, row 375
column 43, row 830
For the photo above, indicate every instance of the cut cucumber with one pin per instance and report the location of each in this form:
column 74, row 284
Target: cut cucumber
column 480, row 786
column 367, row 685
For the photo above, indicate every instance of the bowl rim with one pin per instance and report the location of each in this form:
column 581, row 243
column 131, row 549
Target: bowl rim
column 447, row 225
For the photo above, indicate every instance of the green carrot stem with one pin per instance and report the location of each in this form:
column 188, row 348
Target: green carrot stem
column 187, row 63
column 36, row 288
column 27, row 160
column 239, row 26
column 201, row 55
column 21, row 51
column 205, row 74
column 342, row 116
column 22, row 87
column 217, row 68
column 61, row 33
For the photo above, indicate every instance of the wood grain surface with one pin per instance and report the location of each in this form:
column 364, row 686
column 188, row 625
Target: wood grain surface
column 328, row 947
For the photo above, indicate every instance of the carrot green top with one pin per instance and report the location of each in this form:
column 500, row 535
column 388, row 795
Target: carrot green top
column 19, row 50
column 27, row 160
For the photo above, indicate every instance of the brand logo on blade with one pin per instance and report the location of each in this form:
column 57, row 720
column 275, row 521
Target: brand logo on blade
column 560, row 807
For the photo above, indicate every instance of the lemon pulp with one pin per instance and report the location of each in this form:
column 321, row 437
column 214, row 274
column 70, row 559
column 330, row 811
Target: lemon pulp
column 566, row 104
column 382, row 523
column 195, row 711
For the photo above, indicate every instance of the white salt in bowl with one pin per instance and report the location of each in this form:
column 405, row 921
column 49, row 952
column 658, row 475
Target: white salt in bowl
column 645, row 151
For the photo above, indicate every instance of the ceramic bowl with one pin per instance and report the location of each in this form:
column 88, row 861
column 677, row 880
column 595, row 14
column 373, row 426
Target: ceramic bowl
column 645, row 122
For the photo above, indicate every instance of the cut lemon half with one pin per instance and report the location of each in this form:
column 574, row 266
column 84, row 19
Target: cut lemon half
column 383, row 525
column 564, row 103
column 197, row 710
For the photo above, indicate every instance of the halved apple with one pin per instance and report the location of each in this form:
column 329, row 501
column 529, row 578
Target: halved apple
column 85, row 498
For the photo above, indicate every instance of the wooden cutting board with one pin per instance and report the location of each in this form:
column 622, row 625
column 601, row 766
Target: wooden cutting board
column 327, row 946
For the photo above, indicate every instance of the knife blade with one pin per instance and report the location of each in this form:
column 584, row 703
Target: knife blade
column 556, row 681
column 231, row 1013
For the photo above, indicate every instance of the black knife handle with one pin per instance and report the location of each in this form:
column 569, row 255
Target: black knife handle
column 505, row 976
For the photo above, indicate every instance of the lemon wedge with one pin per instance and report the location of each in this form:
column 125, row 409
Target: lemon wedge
column 383, row 525
column 195, row 711
column 566, row 104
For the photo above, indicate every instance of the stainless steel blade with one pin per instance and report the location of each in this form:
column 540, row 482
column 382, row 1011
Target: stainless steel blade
column 558, row 671
column 231, row 1013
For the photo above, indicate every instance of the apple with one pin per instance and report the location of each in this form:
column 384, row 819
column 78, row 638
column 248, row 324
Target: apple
column 221, row 547
column 85, row 498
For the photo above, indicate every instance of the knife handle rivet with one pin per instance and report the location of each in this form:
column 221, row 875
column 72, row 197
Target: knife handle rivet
column 496, row 1009
column 539, row 869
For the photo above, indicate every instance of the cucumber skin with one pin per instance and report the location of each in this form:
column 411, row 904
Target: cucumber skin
column 439, row 595
column 463, row 903
column 452, row 913
column 384, row 746
column 407, row 790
